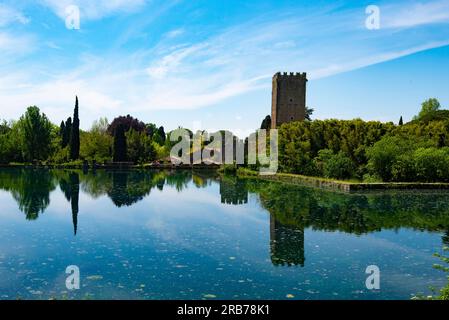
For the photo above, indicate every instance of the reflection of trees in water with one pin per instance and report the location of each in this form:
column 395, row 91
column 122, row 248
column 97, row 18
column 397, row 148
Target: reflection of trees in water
column 30, row 188
column 179, row 179
column 286, row 244
column 286, row 240
column 203, row 178
column 295, row 208
column 353, row 213
column 96, row 183
column 126, row 188
column 75, row 183
column 233, row 191
column 292, row 208
column 199, row 181
column 445, row 238
column 130, row 187
column 70, row 186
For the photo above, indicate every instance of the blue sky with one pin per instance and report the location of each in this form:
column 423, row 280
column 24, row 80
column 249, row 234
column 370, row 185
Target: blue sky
column 208, row 64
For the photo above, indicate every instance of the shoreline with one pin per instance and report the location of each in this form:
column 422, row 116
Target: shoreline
column 110, row 166
column 288, row 178
column 339, row 185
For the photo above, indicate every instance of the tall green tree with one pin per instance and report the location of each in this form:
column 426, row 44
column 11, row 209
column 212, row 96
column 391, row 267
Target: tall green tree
column 62, row 131
column 67, row 133
column 96, row 144
column 162, row 134
column 75, row 134
column 35, row 133
column 4, row 127
column 120, row 145
column 140, row 148
column 151, row 128
column 10, row 142
column 159, row 136
column 266, row 123
column 429, row 106
column 135, row 142
column 401, row 122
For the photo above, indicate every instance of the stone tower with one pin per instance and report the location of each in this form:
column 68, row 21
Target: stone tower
column 288, row 98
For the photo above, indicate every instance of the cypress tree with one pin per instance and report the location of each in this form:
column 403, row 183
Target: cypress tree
column 401, row 122
column 62, row 132
column 162, row 134
column 120, row 145
column 67, row 133
column 75, row 135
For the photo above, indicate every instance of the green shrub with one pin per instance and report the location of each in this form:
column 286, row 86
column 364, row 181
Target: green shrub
column 61, row 155
column 431, row 164
column 403, row 168
column 330, row 165
column 228, row 169
column 370, row 178
column 339, row 166
column 300, row 142
column 384, row 153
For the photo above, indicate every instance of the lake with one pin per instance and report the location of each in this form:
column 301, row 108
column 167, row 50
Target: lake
column 193, row 235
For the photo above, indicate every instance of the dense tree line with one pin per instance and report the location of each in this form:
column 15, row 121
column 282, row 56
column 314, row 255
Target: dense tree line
column 34, row 138
column 344, row 149
column 370, row 151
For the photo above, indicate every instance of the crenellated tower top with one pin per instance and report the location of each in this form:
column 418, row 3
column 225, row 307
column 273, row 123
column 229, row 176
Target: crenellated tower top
column 289, row 98
column 290, row 75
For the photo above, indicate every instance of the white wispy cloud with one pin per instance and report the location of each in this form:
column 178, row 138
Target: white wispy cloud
column 411, row 14
column 55, row 98
column 10, row 15
column 175, row 33
column 52, row 45
column 180, row 74
column 13, row 46
column 374, row 59
column 172, row 61
column 243, row 58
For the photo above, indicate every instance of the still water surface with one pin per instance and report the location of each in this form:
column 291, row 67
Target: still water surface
column 184, row 235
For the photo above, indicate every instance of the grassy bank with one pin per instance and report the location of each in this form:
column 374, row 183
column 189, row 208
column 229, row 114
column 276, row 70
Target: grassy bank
column 81, row 165
column 339, row 185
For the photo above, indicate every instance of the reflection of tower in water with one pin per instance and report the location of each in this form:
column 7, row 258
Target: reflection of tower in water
column 286, row 244
column 233, row 192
